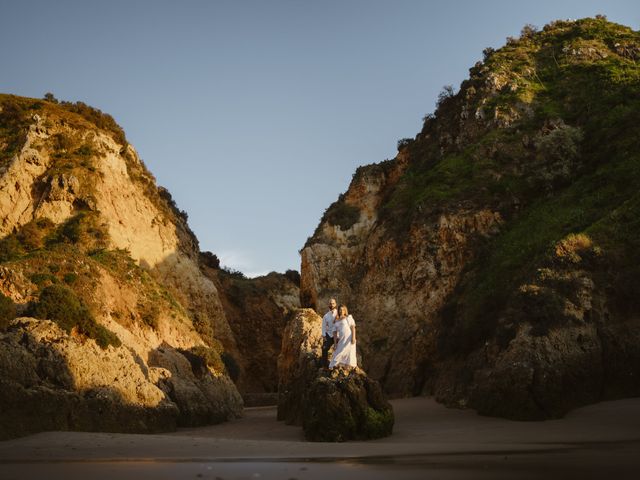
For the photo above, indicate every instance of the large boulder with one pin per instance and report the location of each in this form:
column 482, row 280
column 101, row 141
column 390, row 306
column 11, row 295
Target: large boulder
column 298, row 363
column 52, row 380
column 345, row 404
column 201, row 397
column 331, row 405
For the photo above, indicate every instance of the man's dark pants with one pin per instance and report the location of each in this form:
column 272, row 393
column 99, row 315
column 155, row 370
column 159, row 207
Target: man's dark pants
column 326, row 345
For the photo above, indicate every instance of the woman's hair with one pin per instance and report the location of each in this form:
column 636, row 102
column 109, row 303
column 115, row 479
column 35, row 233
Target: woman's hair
column 343, row 307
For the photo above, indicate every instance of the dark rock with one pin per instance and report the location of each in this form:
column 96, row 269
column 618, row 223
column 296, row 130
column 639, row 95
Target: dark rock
column 298, row 363
column 345, row 404
column 331, row 405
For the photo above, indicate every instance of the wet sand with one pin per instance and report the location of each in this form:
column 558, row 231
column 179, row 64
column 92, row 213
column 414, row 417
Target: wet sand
column 429, row 441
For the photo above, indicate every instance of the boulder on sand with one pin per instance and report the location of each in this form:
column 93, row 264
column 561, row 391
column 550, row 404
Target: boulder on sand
column 331, row 405
column 345, row 404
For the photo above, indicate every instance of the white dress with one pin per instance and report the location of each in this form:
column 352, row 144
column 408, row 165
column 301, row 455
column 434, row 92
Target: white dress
column 344, row 352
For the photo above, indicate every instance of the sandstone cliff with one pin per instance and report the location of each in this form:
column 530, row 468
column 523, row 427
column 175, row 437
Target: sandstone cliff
column 494, row 262
column 88, row 240
column 257, row 310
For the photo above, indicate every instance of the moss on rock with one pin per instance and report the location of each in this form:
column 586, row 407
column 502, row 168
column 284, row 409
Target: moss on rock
column 345, row 404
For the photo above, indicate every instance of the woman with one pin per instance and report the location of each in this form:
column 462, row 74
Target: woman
column 344, row 337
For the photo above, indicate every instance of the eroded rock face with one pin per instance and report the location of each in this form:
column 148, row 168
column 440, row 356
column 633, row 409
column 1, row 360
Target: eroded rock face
column 345, row 404
column 201, row 397
column 52, row 380
column 394, row 288
column 257, row 310
column 112, row 181
column 298, row 363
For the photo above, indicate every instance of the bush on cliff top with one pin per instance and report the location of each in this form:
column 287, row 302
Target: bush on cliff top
column 341, row 214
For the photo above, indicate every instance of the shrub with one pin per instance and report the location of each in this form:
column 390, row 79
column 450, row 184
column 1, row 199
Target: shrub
column 210, row 355
column 82, row 229
column 50, row 97
column 404, row 143
column 342, row 214
column 60, row 304
column 446, row 93
column 293, row 276
column 7, row 311
column 561, row 144
column 100, row 119
column 10, row 248
column 232, row 272
column 149, row 312
column 528, row 31
column 70, row 278
column 62, row 141
column 42, row 278
column 85, row 150
column 32, row 235
column 209, row 259
column 558, row 152
column 202, row 325
column 13, row 127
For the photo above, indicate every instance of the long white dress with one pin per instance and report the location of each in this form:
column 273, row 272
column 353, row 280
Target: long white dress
column 344, row 352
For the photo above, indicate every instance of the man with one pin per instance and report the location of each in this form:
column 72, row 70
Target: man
column 327, row 331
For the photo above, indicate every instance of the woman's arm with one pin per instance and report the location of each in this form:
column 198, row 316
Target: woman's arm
column 353, row 334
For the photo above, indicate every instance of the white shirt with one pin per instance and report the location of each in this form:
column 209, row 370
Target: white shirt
column 327, row 322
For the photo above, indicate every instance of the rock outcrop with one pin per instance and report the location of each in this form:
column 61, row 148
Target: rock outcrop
column 345, row 404
column 55, row 381
column 489, row 264
column 331, row 405
column 89, row 241
column 298, row 363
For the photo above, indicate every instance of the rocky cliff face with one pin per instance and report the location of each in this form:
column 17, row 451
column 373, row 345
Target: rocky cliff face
column 88, row 240
column 493, row 262
column 257, row 310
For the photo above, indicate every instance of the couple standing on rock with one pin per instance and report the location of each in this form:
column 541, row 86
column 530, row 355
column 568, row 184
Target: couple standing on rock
column 339, row 330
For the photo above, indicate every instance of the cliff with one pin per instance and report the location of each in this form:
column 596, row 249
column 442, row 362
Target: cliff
column 494, row 262
column 88, row 241
column 257, row 310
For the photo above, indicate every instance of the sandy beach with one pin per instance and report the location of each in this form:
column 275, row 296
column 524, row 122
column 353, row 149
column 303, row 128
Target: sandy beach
column 429, row 441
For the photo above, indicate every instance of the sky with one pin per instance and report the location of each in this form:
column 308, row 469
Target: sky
column 255, row 114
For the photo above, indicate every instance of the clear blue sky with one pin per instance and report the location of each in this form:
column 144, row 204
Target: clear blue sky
column 255, row 114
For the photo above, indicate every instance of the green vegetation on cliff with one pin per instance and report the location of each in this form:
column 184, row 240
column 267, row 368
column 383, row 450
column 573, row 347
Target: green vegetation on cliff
column 60, row 304
column 545, row 132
